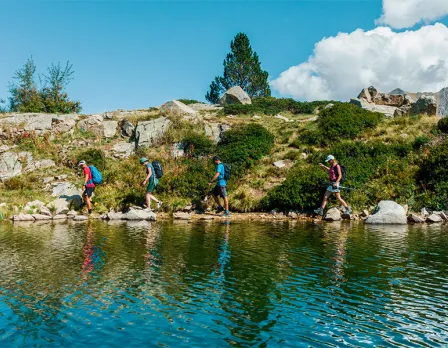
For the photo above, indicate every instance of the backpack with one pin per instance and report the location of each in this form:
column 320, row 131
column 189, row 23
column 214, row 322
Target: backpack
column 227, row 171
column 343, row 172
column 97, row 178
column 158, row 171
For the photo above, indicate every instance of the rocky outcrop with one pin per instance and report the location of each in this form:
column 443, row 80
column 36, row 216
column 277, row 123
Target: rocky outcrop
column 215, row 131
column 10, row 165
column 425, row 105
column 177, row 109
column 63, row 123
column 388, row 212
column 115, row 216
column 92, row 124
column 386, row 110
column 442, row 105
column 127, row 129
column 110, row 129
column 148, row 133
column 122, row 149
column 235, row 95
column 23, row 217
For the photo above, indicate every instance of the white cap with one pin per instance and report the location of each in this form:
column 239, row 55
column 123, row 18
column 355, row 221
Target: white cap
column 81, row 163
column 329, row 158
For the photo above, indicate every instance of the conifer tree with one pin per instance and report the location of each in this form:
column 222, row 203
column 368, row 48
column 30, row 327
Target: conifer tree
column 241, row 68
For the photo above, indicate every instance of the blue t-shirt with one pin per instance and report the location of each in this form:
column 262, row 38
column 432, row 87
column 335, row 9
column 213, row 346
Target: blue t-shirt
column 220, row 169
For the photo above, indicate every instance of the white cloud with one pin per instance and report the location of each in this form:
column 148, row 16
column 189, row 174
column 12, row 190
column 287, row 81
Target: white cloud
column 416, row 61
column 406, row 13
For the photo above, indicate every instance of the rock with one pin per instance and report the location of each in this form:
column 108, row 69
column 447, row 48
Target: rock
column 122, row 149
column 434, row 218
column 304, row 155
column 180, row 215
column 80, row 218
column 48, row 179
column 388, row 212
column 177, row 150
column 443, row 215
column 61, row 177
column 148, row 133
column 404, row 110
column 23, row 217
column 386, row 110
column 30, row 122
column 215, row 131
column 110, row 129
column 293, row 215
column 63, row 188
column 442, row 104
column 414, row 218
column 425, row 105
column 62, row 124
column 177, row 109
column 115, row 216
column 333, row 214
column 41, row 217
column 10, row 165
column 279, row 164
column 33, row 165
column 127, row 129
column 257, row 117
column 188, row 208
column 63, row 204
column 424, row 212
column 45, row 211
column 365, row 213
column 60, row 217
column 134, row 214
column 92, row 124
column 33, row 207
column 235, row 95
column 71, row 214
column 283, row 118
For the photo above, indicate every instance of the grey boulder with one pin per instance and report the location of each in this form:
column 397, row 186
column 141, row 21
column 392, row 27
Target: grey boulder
column 388, row 212
column 235, row 95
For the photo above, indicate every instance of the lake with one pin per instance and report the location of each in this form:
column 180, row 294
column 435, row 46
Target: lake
column 223, row 284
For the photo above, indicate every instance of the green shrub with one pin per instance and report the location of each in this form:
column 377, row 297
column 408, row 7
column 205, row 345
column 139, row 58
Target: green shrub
column 420, row 142
column 93, row 157
column 196, row 144
column 346, row 121
column 442, row 125
column 243, row 145
column 434, row 175
column 273, row 106
column 189, row 101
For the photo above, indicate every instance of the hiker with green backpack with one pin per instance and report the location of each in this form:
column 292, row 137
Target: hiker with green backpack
column 221, row 176
column 336, row 175
column 153, row 174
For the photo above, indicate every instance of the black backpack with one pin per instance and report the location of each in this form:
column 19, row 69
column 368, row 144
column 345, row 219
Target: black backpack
column 343, row 172
column 227, row 171
column 158, row 171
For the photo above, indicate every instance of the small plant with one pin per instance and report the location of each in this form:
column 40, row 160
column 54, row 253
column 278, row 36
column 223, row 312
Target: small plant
column 442, row 125
column 196, row 144
column 93, row 157
column 189, row 101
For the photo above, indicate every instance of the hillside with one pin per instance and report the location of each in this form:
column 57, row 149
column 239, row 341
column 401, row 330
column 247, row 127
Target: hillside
column 385, row 157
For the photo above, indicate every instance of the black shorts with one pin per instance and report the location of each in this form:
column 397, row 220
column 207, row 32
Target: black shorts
column 88, row 191
column 220, row 191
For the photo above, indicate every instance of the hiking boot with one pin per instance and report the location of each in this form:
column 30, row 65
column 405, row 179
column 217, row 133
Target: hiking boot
column 348, row 211
column 89, row 211
column 226, row 214
column 159, row 204
column 220, row 209
column 319, row 211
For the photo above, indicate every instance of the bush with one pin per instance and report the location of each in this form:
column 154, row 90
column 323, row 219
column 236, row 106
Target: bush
column 346, row 121
column 273, row 106
column 243, row 145
column 420, row 142
column 442, row 125
column 198, row 144
column 189, row 101
column 434, row 175
column 93, row 157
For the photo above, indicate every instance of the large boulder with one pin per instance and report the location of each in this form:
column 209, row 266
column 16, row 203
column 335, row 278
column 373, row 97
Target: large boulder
column 110, row 129
column 386, row 110
column 434, row 218
column 425, row 105
column 148, row 133
column 64, row 123
column 333, row 214
column 235, row 95
column 442, row 105
column 388, row 212
column 177, row 109
column 122, row 149
column 10, row 165
column 127, row 129
column 92, row 124
column 115, row 216
column 23, row 217
column 215, row 131
column 140, row 214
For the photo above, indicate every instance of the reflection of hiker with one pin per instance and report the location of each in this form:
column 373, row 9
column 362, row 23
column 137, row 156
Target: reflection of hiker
column 220, row 188
column 335, row 176
column 88, row 186
column 152, row 182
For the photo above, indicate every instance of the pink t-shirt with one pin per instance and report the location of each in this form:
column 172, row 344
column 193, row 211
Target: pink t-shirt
column 334, row 175
column 89, row 173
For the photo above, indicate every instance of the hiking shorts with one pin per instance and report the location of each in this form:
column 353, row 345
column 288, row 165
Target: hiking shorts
column 220, row 191
column 88, row 191
column 333, row 189
column 151, row 186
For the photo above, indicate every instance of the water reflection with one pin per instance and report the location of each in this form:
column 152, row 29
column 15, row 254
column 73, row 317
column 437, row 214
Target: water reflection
column 183, row 284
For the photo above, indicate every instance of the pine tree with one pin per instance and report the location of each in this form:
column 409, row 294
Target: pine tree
column 241, row 68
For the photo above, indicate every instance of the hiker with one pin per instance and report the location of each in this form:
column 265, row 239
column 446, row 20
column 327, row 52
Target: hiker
column 220, row 188
column 335, row 176
column 88, row 186
column 151, row 181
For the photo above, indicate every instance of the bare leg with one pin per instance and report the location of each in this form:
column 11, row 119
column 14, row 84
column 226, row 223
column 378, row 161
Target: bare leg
column 88, row 202
column 324, row 201
column 226, row 203
column 216, row 198
column 151, row 196
column 148, row 200
column 338, row 196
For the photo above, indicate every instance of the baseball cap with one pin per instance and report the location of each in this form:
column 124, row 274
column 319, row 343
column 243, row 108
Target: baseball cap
column 81, row 163
column 143, row 160
column 329, row 158
column 216, row 158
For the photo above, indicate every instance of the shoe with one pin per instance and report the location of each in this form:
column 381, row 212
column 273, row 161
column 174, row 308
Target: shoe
column 319, row 211
column 348, row 211
column 147, row 209
column 89, row 211
column 220, row 209
column 159, row 204
column 226, row 214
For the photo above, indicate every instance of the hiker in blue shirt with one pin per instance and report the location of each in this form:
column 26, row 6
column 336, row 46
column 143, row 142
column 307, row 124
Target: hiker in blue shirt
column 220, row 188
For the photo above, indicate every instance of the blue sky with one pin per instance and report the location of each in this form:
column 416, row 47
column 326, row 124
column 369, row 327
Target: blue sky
column 136, row 54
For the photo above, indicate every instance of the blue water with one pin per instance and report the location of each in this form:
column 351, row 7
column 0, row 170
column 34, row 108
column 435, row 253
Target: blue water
column 212, row 284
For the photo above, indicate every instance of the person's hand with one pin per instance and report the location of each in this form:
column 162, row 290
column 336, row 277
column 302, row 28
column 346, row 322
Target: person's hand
column 143, row 183
column 209, row 183
column 83, row 187
column 335, row 184
column 322, row 165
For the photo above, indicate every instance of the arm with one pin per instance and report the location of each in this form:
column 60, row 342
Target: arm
column 324, row 167
column 144, row 182
column 215, row 177
column 86, row 179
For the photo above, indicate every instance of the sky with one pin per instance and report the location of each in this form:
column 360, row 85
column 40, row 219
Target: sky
column 130, row 54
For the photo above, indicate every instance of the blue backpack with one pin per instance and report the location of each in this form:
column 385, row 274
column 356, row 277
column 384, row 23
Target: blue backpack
column 97, row 178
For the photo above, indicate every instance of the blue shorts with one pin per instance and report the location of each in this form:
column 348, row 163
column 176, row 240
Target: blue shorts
column 333, row 189
column 220, row 191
